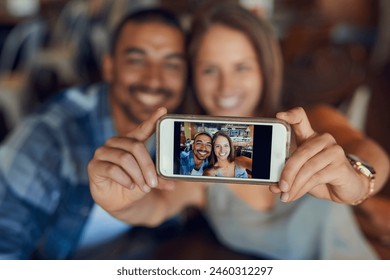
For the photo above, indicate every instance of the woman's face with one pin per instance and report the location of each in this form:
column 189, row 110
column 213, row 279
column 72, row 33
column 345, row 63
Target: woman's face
column 228, row 78
column 221, row 148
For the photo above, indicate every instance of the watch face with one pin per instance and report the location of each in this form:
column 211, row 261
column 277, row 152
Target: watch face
column 362, row 166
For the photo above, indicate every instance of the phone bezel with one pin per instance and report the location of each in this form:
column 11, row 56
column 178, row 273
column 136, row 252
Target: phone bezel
column 165, row 144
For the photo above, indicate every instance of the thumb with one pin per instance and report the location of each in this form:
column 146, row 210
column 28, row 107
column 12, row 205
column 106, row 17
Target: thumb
column 299, row 122
column 148, row 127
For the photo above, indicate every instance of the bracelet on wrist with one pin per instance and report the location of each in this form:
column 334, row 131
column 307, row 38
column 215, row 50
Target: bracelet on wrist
column 366, row 170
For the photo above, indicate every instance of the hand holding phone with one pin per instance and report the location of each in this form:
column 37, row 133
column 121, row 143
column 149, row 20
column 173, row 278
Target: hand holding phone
column 122, row 170
column 222, row 149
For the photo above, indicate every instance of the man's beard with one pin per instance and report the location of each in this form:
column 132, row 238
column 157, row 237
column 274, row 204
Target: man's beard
column 133, row 89
column 200, row 157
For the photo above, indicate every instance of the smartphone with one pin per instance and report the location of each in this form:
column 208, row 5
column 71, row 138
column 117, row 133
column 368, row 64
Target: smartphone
column 199, row 148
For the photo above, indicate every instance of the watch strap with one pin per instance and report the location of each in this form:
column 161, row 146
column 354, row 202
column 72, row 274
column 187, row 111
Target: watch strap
column 367, row 171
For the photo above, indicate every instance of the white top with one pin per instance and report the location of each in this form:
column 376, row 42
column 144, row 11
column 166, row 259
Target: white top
column 101, row 227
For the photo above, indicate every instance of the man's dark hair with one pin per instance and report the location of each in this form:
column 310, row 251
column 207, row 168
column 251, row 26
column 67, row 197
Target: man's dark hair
column 145, row 16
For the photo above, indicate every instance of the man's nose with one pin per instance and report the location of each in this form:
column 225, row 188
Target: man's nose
column 153, row 76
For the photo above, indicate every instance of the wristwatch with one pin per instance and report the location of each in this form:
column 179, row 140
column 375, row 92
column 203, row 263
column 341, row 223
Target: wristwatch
column 366, row 170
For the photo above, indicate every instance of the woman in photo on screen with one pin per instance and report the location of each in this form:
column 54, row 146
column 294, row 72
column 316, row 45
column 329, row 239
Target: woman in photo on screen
column 222, row 163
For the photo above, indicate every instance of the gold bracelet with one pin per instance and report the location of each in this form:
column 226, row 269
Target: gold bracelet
column 367, row 171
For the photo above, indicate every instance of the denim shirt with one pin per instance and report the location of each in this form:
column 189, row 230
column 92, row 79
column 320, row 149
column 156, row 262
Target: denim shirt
column 187, row 163
column 44, row 189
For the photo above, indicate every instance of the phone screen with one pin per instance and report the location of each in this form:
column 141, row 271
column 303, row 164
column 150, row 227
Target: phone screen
column 247, row 144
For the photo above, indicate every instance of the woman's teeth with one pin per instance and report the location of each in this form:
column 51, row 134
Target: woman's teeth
column 228, row 102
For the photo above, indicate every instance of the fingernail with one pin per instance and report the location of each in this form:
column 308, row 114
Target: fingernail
column 283, row 186
column 146, row 188
column 284, row 197
column 161, row 108
column 153, row 181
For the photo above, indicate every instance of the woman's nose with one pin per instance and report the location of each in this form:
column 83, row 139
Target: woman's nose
column 227, row 83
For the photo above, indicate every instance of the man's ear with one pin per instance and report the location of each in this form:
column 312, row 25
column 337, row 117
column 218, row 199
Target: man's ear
column 108, row 68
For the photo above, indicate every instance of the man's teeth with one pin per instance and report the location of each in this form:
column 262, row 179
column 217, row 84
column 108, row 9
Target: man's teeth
column 228, row 102
column 150, row 99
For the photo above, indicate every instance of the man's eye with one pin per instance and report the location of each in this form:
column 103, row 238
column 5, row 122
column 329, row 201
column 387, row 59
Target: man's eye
column 135, row 61
column 173, row 66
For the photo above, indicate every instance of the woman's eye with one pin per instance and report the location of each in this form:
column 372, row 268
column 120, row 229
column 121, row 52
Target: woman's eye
column 209, row 70
column 243, row 68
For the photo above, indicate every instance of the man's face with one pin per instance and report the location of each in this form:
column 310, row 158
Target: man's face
column 202, row 147
column 147, row 71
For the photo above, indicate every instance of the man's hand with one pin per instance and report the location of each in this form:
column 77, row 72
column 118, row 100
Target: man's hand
column 122, row 171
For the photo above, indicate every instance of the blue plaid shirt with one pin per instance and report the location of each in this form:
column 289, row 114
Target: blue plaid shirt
column 44, row 190
column 187, row 163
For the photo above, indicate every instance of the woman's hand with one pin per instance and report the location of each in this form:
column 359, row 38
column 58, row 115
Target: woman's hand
column 122, row 171
column 318, row 166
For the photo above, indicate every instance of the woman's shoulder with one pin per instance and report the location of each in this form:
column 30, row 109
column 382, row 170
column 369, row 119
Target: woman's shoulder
column 239, row 171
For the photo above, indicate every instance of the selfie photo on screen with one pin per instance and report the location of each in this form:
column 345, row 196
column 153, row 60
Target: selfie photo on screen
column 222, row 150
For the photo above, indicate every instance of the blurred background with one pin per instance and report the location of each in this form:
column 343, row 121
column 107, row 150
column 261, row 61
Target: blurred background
column 335, row 52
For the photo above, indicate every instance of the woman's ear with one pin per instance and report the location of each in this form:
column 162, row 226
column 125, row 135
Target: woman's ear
column 107, row 68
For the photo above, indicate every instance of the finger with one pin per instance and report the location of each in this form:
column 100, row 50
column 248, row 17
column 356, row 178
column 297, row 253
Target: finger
column 125, row 161
column 138, row 151
column 112, row 174
column 274, row 189
column 166, row 184
column 320, row 179
column 148, row 127
column 310, row 172
column 302, row 155
column 299, row 122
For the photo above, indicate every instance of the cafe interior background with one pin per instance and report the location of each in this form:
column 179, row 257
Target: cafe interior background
column 335, row 52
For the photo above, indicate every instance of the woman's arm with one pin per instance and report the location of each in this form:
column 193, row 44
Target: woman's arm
column 244, row 162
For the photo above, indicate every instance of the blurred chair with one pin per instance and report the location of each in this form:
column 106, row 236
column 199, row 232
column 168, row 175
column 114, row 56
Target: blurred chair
column 21, row 44
column 3, row 127
column 20, row 48
column 82, row 25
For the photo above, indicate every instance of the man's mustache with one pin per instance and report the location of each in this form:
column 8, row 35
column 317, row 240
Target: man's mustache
column 143, row 88
column 206, row 151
